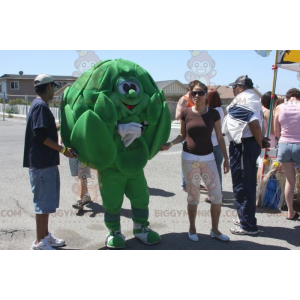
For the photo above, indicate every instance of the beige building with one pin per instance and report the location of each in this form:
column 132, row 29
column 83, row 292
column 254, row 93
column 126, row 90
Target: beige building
column 16, row 86
column 173, row 90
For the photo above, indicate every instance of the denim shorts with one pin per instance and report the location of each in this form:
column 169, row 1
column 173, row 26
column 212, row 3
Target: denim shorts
column 45, row 186
column 289, row 152
column 79, row 169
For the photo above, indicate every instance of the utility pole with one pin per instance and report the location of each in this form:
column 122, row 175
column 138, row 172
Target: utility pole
column 4, row 106
column 26, row 97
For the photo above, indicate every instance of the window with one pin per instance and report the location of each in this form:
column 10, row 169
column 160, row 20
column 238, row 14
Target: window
column 0, row 87
column 14, row 85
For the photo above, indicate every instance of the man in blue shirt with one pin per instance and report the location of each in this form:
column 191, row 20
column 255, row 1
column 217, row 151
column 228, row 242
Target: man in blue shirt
column 41, row 156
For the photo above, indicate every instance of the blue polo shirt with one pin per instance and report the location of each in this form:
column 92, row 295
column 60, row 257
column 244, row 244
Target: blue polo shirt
column 37, row 155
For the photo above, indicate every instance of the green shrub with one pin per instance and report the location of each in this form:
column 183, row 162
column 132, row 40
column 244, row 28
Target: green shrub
column 18, row 101
column 11, row 110
column 1, row 100
column 10, row 116
column 54, row 103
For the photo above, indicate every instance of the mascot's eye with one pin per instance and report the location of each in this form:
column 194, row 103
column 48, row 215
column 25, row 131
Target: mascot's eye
column 205, row 65
column 133, row 86
column 84, row 65
column 92, row 64
column 196, row 65
column 126, row 86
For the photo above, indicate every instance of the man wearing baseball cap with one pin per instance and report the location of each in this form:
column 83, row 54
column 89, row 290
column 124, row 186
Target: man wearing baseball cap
column 41, row 156
column 242, row 126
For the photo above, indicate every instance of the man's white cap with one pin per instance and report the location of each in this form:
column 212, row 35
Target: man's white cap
column 43, row 79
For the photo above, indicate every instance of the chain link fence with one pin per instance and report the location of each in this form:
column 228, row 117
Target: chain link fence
column 9, row 108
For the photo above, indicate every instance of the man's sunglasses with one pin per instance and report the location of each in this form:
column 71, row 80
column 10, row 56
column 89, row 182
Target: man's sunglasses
column 200, row 93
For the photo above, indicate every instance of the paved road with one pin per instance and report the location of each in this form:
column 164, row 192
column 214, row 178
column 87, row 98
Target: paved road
column 167, row 208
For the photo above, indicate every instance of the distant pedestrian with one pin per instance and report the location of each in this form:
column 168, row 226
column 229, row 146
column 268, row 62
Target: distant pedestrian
column 41, row 156
column 214, row 101
column 83, row 172
column 266, row 103
column 243, row 128
column 287, row 120
column 184, row 102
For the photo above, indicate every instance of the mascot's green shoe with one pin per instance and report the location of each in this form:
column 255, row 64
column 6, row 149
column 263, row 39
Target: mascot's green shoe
column 115, row 239
column 145, row 234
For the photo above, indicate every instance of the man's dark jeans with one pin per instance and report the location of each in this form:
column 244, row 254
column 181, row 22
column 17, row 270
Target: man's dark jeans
column 243, row 171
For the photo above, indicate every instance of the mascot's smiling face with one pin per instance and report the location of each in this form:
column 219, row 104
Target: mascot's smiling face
column 129, row 91
column 130, row 87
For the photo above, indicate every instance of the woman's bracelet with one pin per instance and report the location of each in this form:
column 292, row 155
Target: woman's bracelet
column 172, row 144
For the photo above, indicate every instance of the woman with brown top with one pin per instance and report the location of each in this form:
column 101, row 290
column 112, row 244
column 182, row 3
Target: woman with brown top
column 198, row 161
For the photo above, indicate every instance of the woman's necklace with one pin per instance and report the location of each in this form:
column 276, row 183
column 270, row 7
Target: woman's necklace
column 200, row 113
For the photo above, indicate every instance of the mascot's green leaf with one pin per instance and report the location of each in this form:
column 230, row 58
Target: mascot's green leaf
column 67, row 124
column 163, row 131
column 133, row 159
column 93, row 142
column 78, row 87
column 106, row 110
column 79, row 107
column 154, row 109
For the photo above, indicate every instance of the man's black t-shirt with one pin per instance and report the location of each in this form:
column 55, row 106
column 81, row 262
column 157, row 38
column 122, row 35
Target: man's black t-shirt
column 36, row 154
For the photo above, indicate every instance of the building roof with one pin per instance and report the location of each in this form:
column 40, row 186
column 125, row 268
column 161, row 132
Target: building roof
column 62, row 89
column 32, row 77
column 172, row 87
column 162, row 84
column 227, row 92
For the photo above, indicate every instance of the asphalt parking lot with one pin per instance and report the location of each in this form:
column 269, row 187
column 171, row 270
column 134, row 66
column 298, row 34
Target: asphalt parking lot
column 168, row 216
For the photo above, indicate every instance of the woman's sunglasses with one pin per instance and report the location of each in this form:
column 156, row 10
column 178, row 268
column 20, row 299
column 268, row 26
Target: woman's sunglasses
column 200, row 93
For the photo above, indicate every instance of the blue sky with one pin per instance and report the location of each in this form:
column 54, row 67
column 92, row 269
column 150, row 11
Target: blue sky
column 161, row 64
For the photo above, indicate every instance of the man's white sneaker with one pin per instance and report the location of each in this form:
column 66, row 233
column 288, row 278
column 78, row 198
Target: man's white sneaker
column 240, row 231
column 222, row 237
column 42, row 245
column 237, row 222
column 53, row 241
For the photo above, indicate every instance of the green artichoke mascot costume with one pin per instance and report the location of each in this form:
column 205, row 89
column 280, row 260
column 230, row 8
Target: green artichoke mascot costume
column 116, row 119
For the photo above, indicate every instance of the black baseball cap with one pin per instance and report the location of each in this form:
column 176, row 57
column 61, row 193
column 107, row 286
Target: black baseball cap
column 243, row 80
